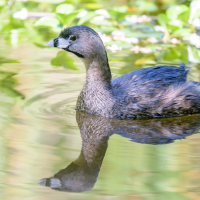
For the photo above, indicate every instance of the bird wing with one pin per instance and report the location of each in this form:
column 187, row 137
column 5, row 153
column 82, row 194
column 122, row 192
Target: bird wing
column 149, row 81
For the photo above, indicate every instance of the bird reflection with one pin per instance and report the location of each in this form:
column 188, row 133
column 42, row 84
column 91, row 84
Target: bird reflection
column 81, row 175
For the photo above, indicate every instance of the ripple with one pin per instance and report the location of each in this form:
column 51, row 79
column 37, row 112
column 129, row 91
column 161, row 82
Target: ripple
column 54, row 98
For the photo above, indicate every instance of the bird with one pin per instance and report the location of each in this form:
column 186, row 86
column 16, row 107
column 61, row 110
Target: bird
column 152, row 92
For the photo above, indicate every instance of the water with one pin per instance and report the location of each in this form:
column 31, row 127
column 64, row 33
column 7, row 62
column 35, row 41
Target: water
column 40, row 137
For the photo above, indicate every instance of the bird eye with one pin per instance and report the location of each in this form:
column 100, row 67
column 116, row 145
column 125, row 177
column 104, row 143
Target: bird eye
column 72, row 37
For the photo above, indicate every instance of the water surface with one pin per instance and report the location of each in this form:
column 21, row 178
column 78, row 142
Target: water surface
column 40, row 136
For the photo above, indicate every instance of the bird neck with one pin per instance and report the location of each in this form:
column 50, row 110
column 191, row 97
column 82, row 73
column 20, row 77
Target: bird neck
column 98, row 71
column 97, row 89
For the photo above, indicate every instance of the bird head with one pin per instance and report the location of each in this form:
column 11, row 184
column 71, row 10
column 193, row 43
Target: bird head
column 82, row 41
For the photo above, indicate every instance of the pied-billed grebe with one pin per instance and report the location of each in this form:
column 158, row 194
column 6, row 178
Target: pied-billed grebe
column 160, row 91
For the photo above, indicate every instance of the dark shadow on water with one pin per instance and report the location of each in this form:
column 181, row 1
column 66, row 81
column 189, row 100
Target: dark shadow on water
column 81, row 175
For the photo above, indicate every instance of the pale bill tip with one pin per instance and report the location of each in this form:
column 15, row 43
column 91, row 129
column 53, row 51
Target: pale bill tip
column 50, row 43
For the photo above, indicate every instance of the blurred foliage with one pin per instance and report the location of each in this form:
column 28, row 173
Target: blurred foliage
column 7, row 80
column 134, row 19
column 8, row 94
column 175, row 21
column 7, row 84
column 62, row 59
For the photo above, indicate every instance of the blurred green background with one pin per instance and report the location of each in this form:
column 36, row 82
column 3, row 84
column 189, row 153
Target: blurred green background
column 165, row 31
column 39, row 87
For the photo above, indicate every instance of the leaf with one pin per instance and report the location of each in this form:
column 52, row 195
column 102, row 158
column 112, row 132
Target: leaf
column 176, row 23
column 47, row 22
column 66, row 20
column 184, row 32
column 65, row 8
column 61, row 17
column 121, row 16
column 171, row 55
column 70, row 18
column 64, row 60
column 113, row 13
column 184, row 16
column 87, row 17
column 162, row 20
column 184, row 54
column 173, row 12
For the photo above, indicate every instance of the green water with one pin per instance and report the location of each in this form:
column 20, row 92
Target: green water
column 40, row 136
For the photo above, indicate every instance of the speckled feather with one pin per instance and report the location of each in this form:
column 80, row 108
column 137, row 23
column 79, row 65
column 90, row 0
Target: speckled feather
column 160, row 91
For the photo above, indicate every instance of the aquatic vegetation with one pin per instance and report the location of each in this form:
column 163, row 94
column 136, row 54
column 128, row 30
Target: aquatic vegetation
column 160, row 30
